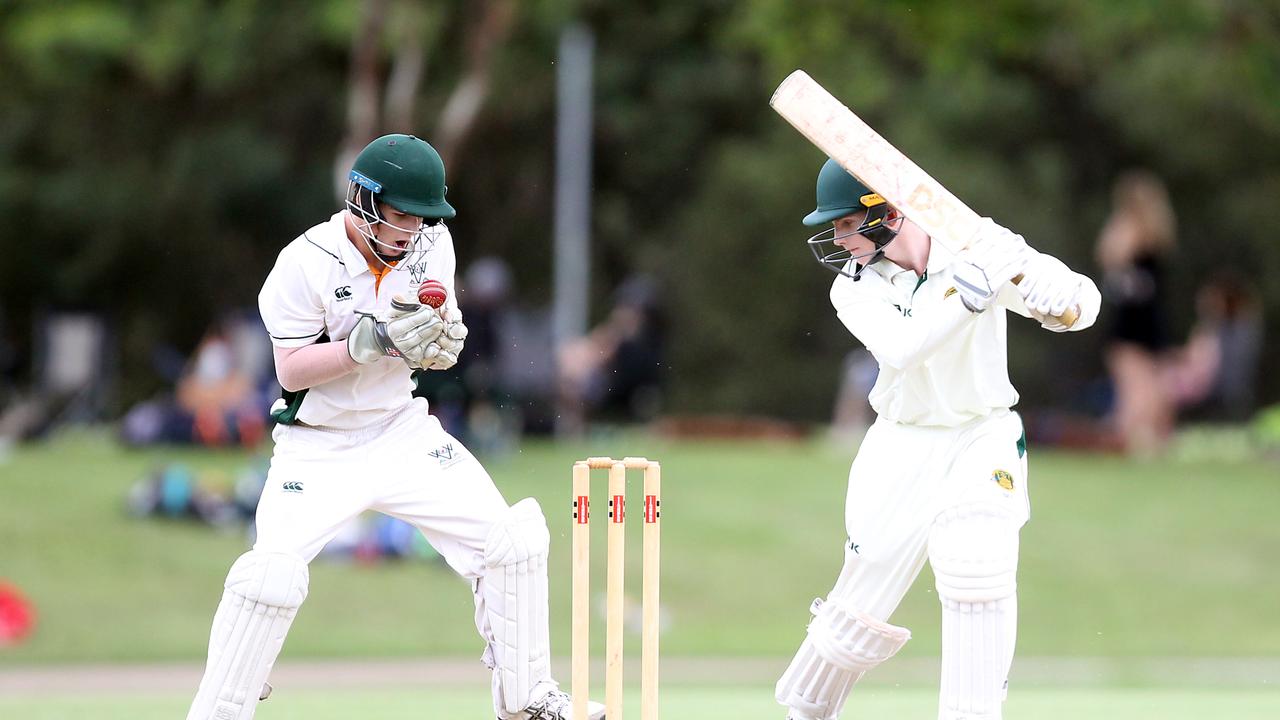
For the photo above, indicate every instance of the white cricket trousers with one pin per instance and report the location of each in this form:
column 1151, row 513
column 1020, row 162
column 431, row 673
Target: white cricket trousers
column 407, row 467
column 903, row 479
column 957, row 497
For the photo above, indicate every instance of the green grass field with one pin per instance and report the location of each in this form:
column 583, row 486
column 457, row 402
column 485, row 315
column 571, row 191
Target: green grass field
column 1137, row 570
column 740, row 703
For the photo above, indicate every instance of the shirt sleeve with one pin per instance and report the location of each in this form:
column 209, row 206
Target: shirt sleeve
column 448, row 272
column 896, row 341
column 290, row 307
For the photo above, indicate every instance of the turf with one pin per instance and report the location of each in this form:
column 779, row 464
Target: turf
column 741, row 703
column 1121, row 559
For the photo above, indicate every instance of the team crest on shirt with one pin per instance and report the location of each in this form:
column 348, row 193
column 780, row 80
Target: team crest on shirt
column 418, row 270
column 447, row 455
column 1003, row 479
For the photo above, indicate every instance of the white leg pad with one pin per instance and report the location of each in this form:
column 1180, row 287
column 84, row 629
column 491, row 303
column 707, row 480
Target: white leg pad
column 843, row 643
column 974, row 554
column 262, row 595
column 514, row 590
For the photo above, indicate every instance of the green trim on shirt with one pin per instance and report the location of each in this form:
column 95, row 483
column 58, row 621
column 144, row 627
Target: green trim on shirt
column 288, row 414
column 920, row 282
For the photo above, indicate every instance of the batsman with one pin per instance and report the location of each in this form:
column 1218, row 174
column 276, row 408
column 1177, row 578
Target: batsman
column 942, row 472
column 340, row 307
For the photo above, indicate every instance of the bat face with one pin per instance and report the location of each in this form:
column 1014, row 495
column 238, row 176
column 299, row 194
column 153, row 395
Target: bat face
column 861, row 151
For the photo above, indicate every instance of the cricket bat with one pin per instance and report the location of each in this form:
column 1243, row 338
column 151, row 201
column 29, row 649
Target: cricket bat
column 859, row 149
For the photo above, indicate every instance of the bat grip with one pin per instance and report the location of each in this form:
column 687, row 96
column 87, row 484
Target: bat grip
column 1068, row 317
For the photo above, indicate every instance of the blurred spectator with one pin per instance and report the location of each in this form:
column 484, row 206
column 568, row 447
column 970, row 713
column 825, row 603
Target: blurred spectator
column 1132, row 251
column 853, row 414
column 474, row 399
column 614, row 372
column 1215, row 374
column 71, row 373
column 493, row 420
column 220, row 397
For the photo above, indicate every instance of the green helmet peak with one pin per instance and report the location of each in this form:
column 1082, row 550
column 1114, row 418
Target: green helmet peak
column 405, row 173
column 840, row 194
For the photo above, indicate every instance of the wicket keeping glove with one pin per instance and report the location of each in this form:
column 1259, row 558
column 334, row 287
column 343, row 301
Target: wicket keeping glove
column 443, row 353
column 405, row 331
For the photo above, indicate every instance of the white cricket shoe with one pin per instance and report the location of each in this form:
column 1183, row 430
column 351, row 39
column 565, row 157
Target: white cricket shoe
column 556, row 705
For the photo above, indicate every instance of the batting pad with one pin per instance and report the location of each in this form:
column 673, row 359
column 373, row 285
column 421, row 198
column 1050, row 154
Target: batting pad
column 261, row 597
column 514, row 588
column 842, row 644
column 973, row 550
column 974, row 554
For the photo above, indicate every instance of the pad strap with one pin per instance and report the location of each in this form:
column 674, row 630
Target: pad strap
column 843, row 643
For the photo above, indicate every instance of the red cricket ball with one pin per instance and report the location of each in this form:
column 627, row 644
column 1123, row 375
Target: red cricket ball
column 433, row 293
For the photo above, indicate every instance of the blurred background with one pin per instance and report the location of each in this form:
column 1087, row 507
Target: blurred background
column 632, row 267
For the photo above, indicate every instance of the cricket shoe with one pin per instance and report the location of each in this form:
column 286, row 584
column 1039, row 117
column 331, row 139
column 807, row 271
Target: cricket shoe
column 556, row 705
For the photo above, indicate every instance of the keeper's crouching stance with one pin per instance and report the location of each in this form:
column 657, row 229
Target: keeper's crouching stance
column 942, row 473
column 351, row 438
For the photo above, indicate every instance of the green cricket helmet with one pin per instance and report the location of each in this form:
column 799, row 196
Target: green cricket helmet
column 407, row 174
column 839, row 195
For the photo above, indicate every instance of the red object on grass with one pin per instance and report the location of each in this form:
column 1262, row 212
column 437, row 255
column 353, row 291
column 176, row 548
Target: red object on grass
column 17, row 616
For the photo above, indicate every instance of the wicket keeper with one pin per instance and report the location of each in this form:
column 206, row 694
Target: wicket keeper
column 942, row 472
column 350, row 437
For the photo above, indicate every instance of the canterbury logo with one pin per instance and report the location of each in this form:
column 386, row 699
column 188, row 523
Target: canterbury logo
column 292, row 487
column 342, row 293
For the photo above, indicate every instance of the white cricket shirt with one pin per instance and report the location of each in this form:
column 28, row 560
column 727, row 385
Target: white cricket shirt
column 940, row 364
column 312, row 294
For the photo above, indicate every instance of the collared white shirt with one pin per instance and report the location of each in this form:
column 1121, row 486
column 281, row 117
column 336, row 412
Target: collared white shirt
column 319, row 282
column 940, row 364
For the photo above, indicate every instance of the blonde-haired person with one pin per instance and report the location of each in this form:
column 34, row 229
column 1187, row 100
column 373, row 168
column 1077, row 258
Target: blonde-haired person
column 1133, row 250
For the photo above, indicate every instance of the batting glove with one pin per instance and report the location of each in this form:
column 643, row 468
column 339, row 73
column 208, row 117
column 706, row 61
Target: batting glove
column 406, row 332
column 1048, row 288
column 994, row 257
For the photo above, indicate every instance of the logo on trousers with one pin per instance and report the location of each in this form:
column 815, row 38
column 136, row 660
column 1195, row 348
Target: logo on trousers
column 292, row 487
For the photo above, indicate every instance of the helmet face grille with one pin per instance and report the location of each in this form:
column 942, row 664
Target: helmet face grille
column 362, row 204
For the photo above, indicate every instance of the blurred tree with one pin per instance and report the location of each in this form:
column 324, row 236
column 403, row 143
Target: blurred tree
column 154, row 156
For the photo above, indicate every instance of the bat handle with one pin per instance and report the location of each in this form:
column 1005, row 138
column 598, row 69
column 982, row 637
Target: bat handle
column 1068, row 318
